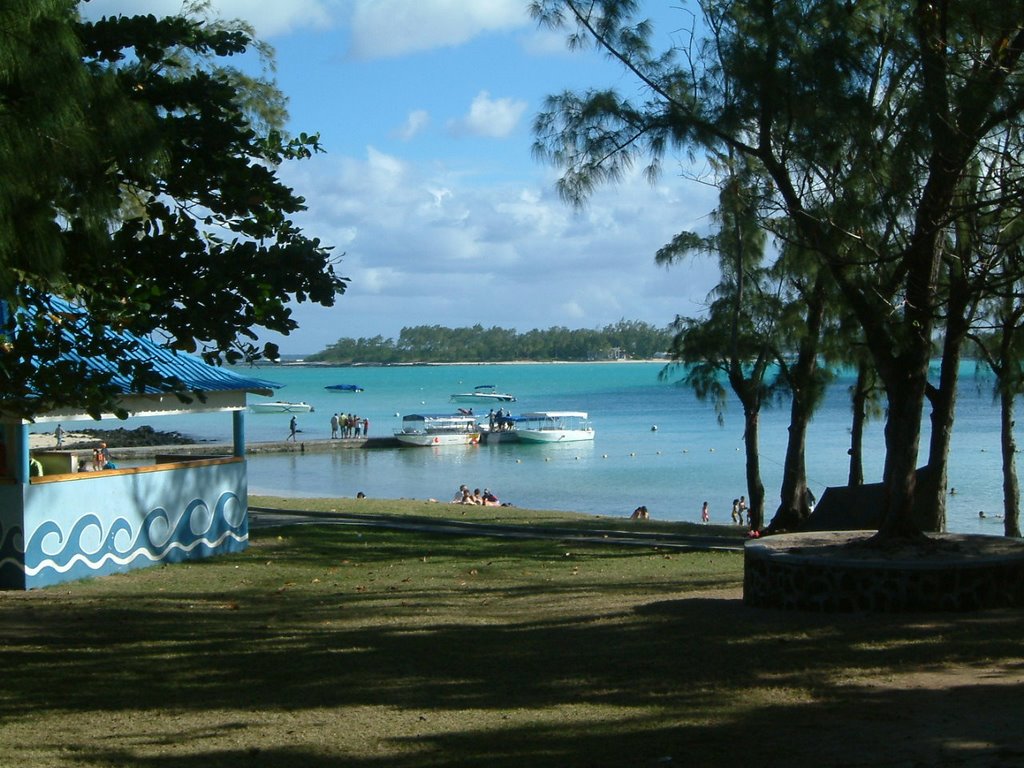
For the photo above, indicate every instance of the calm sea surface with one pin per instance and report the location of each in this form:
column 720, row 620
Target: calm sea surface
column 687, row 459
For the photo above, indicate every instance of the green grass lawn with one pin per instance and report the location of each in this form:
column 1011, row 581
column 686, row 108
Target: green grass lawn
column 335, row 646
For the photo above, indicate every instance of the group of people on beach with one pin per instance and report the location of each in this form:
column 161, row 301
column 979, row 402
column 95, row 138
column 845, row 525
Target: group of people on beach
column 475, row 497
column 345, row 425
column 740, row 512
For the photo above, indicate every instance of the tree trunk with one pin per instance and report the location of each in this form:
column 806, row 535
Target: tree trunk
column 931, row 502
column 902, row 444
column 1011, row 488
column 755, row 488
column 794, row 507
column 943, row 401
column 860, row 417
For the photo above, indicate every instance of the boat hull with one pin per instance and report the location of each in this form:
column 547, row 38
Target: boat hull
column 507, row 436
column 473, row 397
column 427, row 439
column 554, row 435
column 280, row 407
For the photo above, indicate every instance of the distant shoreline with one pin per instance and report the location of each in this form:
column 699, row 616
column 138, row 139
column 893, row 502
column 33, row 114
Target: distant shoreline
column 315, row 364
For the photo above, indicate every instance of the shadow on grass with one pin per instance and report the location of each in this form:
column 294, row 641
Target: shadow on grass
column 557, row 664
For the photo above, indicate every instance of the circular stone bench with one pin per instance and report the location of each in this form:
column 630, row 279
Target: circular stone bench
column 832, row 571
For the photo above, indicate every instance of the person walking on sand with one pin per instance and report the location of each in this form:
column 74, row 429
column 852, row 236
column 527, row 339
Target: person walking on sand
column 744, row 512
column 292, row 430
column 737, row 516
column 705, row 514
column 59, row 434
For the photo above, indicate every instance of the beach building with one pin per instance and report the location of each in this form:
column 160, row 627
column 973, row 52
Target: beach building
column 77, row 521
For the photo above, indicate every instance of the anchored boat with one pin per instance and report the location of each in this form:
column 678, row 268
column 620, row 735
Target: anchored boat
column 554, row 427
column 483, row 393
column 438, row 429
column 280, row 407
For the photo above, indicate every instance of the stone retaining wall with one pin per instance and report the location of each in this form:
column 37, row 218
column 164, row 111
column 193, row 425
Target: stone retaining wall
column 835, row 572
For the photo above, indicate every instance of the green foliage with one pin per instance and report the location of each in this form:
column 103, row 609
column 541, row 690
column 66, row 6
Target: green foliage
column 436, row 344
column 139, row 181
column 863, row 121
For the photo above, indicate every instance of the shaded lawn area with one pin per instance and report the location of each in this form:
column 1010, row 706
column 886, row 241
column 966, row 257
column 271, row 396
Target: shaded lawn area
column 328, row 646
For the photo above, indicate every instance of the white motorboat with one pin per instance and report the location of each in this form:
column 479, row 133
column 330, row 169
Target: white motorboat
column 438, row 429
column 554, row 427
column 280, row 406
column 483, row 393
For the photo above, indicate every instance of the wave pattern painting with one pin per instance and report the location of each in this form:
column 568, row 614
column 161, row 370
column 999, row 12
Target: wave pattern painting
column 53, row 555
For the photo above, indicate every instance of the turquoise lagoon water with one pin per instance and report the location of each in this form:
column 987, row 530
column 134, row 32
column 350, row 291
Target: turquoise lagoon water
column 687, row 459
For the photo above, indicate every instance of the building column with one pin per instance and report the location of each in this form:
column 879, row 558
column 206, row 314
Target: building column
column 238, row 433
column 19, row 455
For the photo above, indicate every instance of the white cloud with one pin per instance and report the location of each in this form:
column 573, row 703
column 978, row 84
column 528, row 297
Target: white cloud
column 425, row 246
column 493, row 118
column 416, row 121
column 268, row 18
column 385, row 28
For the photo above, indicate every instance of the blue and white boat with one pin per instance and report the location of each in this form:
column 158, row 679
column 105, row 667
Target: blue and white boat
column 344, row 388
column 554, row 427
column 280, row 406
column 483, row 393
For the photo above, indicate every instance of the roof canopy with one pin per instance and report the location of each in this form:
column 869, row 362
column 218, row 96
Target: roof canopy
column 218, row 388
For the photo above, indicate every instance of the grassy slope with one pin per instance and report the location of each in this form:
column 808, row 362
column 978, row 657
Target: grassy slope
column 331, row 646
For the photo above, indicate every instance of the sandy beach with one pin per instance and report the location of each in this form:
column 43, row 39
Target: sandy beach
column 47, row 441
column 115, row 438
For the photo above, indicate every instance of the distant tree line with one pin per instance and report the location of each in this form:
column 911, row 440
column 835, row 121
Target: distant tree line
column 629, row 339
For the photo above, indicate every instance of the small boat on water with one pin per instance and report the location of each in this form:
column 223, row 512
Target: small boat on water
column 438, row 429
column 554, row 427
column 344, row 388
column 280, row 406
column 483, row 393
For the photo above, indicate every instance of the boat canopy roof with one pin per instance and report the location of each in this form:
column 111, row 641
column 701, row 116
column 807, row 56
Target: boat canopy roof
column 439, row 416
column 555, row 415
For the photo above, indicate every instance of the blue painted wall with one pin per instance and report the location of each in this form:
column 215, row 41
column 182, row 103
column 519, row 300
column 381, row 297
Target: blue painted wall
column 97, row 524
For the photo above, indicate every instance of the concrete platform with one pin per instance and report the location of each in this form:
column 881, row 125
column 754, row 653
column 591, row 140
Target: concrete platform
column 270, row 446
column 834, row 571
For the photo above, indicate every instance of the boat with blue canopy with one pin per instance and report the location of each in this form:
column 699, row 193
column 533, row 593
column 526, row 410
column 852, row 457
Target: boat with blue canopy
column 483, row 393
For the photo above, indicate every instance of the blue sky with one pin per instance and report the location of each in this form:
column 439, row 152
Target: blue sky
column 429, row 187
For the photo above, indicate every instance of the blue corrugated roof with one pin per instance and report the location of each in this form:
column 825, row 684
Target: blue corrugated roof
column 196, row 374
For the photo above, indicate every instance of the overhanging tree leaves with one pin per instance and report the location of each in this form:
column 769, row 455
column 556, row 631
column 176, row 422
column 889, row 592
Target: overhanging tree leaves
column 736, row 342
column 160, row 201
column 865, row 116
